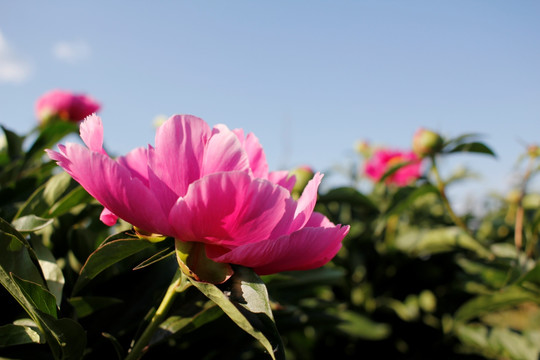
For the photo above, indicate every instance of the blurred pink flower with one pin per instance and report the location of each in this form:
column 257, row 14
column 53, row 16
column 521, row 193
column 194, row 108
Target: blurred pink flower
column 384, row 159
column 206, row 186
column 65, row 106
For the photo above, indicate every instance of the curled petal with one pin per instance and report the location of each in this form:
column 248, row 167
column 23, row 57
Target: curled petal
column 224, row 152
column 306, row 203
column 230, row 208
column 304, row 249
column 91, row 130
column 107, row 217
column 113, row 186
column 255, row 152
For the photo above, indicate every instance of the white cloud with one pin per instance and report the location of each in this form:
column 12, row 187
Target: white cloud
column 13, row 68
column 71, row 52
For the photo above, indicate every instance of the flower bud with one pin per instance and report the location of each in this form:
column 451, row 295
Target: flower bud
column 60, row 105
column 426, row 142
column 363, row 148
column 303, row 174
column 533, row 151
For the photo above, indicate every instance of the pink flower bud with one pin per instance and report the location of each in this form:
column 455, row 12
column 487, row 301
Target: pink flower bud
column 60, row 105
column 384, row 159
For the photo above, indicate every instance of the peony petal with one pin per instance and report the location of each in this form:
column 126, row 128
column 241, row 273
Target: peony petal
column 230, row 208
column 179, row 151
column 282, row 178
column 224, row 152
column 304, row 249
column 306, row 203
column 136, row 161
column 107, row 217
column 113, row 186
column 91, row 130
column 257, row 158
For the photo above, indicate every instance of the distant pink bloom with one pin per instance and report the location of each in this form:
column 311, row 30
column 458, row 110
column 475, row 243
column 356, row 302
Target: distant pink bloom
column 65, row 106
column 384, row 159
column 208, row 186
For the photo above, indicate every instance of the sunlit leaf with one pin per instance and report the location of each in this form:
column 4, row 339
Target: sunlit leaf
column 484, row 304
column 432, row 241
column 30, row 223
column 498, row 342
column 74, row 198
column 18, row 334
column 43, row 198
column 361, row 327
column 40, row 297
column 249, row 307
column 50, row 269
column 176, row 325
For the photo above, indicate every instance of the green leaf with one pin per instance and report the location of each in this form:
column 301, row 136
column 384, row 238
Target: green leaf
column 87, row 305
column 30, row 223
column 43, row 198
column 66, row 337
column 49, row 135
column 74, row 198
column 177, row 325
column 14, row 143
column 20, row 276
column 50, row 269
column 249, row 307
column 476, row 147
column 108, row 254
column 498, row 342
column 361, row 327
column 432, row 241
column 16, row 257
column 40, row 297
column 484, row 304
column 406, row 196
column 18, row 334
column 349, row 195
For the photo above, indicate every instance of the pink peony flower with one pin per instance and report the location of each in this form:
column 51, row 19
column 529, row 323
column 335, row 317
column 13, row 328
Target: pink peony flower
column 210, row 189
column 384, row 159
column 64, row 106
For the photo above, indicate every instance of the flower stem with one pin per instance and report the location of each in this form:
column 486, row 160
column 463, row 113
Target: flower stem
column 518, row 230
column 177, row 285
column 440, row 185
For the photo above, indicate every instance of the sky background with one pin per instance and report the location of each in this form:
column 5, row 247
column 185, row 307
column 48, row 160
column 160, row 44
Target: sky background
column 309, row 78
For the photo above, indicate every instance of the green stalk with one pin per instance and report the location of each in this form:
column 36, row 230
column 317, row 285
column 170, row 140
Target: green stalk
column 177, row 285
column 441, row 186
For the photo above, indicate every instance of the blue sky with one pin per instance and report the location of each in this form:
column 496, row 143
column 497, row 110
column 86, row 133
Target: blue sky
column 309, row 78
